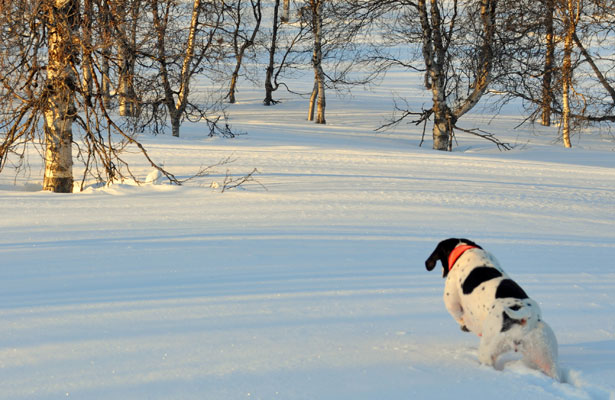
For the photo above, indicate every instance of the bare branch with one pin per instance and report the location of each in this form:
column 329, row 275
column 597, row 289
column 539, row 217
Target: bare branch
column 488, row 136
column 231, row 183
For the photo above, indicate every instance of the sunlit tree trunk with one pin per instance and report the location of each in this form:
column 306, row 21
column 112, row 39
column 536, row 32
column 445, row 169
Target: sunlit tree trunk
column 570, row 10
column 318, row 93
column 106, row 54
column 125, row 91
column 127, row 14
column 59, row 112
column 436, row 37
column 566, row 83
column 547, row 91
column 434, row 57
column 186, row 74
column 313, row 97
column 177, row 107
column 88, row 70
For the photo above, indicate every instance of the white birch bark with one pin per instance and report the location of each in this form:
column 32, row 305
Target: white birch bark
column 571, row 10
column 435, row 57
column 60, row 112
column 128, row 18
column 186, row 73
column 483, row 75
column 177, row 107
column 313, row 97
column 318, row 94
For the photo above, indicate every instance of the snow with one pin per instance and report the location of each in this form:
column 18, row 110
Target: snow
column 310, row 283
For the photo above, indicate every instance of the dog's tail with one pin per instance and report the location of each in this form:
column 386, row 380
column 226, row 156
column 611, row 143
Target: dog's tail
column 517, row 314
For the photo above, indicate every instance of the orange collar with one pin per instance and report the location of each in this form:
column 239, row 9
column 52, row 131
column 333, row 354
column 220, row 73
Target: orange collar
column 457, row 252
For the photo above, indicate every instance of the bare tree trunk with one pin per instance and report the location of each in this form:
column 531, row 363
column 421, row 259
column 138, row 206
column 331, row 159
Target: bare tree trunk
column 566, row 84
column 485, row 60
column 86, row 41
column 269, row 87
column 286, row 11
column 442, row 130
column 547, row 91
column 106, row 55
column 186, row 74
column 176, row 108
column 571, row 11
column 313, row 98
column 233, row 85
column 126, row 93
column 240, row 50
column 321, row 104
column 435, row 47
column 434, row 57
column 59, row 112
column 319, row 75
column 128, row 20
column 106, row 80
column 590, row 60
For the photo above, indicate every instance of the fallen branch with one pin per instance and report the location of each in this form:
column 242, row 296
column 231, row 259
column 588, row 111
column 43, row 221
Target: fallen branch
column 205, row 171
column 486, row 135
column 232, row 183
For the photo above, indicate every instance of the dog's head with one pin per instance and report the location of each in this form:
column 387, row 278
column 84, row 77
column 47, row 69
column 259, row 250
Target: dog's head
column 443, row 251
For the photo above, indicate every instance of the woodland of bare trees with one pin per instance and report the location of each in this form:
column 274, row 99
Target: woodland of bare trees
column 535, row 51
column 81, row 79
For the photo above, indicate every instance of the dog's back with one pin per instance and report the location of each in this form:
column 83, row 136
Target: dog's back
column 473, row 283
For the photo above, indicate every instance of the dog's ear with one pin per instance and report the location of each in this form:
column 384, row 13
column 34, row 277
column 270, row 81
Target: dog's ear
column 442, row 251
column 430, row 263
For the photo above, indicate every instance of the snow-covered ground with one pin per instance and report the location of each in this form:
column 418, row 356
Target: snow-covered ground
column 309, row 284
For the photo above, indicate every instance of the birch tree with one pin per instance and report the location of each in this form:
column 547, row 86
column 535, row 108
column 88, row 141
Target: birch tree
column 62, row 24
column 273, row 45
column 574, row 86
column 105, row 48
column 337, row 49
column 286, row 12
column 571, row 12
column 588, row 87
column 48, row 97
column 179, row 57
column 459, row 45
column 125, row 17
column 317, row 99
column 243, row 34
column 549, row 63
column 282, row 48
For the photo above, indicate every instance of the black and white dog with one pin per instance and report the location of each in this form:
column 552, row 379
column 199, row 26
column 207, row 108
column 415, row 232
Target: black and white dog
column 485, row 301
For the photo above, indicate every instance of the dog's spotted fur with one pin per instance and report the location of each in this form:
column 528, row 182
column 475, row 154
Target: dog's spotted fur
column 484, row 300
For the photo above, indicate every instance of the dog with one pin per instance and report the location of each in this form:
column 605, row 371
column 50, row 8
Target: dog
column 483, row 300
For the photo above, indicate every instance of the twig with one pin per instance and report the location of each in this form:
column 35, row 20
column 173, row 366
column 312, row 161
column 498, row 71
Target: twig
column 205, row 171
column 486, row 135
column 232, row 183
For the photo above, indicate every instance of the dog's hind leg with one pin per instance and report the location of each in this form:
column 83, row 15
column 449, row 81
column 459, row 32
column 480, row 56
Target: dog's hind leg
column 539, row 347
column 485, row 353
column 491, row 347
